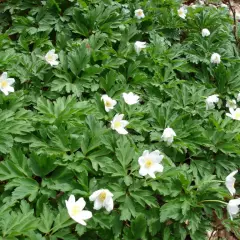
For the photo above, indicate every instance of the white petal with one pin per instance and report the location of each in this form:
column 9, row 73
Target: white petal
column 85, row 214
column 4, row 76
column 108, row 204
column 79, row 220
column 55, row 56
column 108, row 192
column 145, row 153
column 5, row 91
column 97, row 204
column 81, row 203
column 10, row 89
column 104, row 97
column 10, row 81
column 158, row 167
column 114, row 102
column 107, row 109
column 54, row 63
column 121, row 130
column 151, row 173
column 124, row 123
column 230, row 187
column 141, row 160
column 158, row 159
column 143, row 171
column 232, row 174
column 119, row 117
column 232, row 111
column 70, row 201
column 95, row 195
column 229, row 115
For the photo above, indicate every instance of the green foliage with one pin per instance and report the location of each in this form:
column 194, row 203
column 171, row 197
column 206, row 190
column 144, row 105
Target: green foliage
column 56, row 137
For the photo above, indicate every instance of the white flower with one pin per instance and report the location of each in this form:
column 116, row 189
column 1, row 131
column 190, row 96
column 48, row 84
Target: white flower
column 215, row 58
column 5, row 83
column 238, row 97
column 102, row 198
column 109, row 103
column 139, row 46
column 234, row 114
column 231, row 104
column 194, row 6
column 130, row 98
column 224, row 5
column 182, row 12
column 118, row 124
column 51, row 57
column 150, row 163
column 139, row 14
column 201, row 2
column 211, row 100
column 233, row 208
column 237, row 15
column 230, row 181
column 213, row 6
column 75, row 210
column 205, row 32
column 168, row 135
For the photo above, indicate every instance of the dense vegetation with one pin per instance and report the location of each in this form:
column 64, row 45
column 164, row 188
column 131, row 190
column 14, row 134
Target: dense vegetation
column 160, row 167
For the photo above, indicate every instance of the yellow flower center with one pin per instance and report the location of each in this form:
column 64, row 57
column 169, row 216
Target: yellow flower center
column 148, row 163
column 237, row 115
column 139, row 13
column 75, row 210
column 102, row 196
column 108, row 104
column 117, row 124
column 180, row 12
column 50, row 58
column 4, row 84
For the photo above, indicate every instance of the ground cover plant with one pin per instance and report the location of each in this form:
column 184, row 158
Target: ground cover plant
column 119, row 120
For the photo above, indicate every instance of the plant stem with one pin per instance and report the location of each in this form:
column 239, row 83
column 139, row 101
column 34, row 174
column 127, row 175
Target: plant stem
column 218, row 201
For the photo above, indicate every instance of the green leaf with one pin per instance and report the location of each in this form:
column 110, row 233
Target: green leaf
column 139, row 227
column 62, row 220
column 16, row 166
column 42, row 165
column 46, row 220
column 171, row 210
column 25, row 187
column 18, row 223
column 78, row 59
column 124, row 152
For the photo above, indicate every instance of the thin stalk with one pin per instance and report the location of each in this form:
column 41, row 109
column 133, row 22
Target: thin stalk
column 218, row 201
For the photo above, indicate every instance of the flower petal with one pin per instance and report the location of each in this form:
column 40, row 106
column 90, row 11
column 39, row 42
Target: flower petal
column 141, row 160
column 151, row 173
column 10, row 89
column 124, row 123
column 81, row 203
column 143, row 171
column 97, row 204
column 109, row 204
column 4, row 76
column 158, row 167
column 10, row 81
column 121, row 130
column 70, row 201
column 95, row 195
column 85, row 214
column 79, row 220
